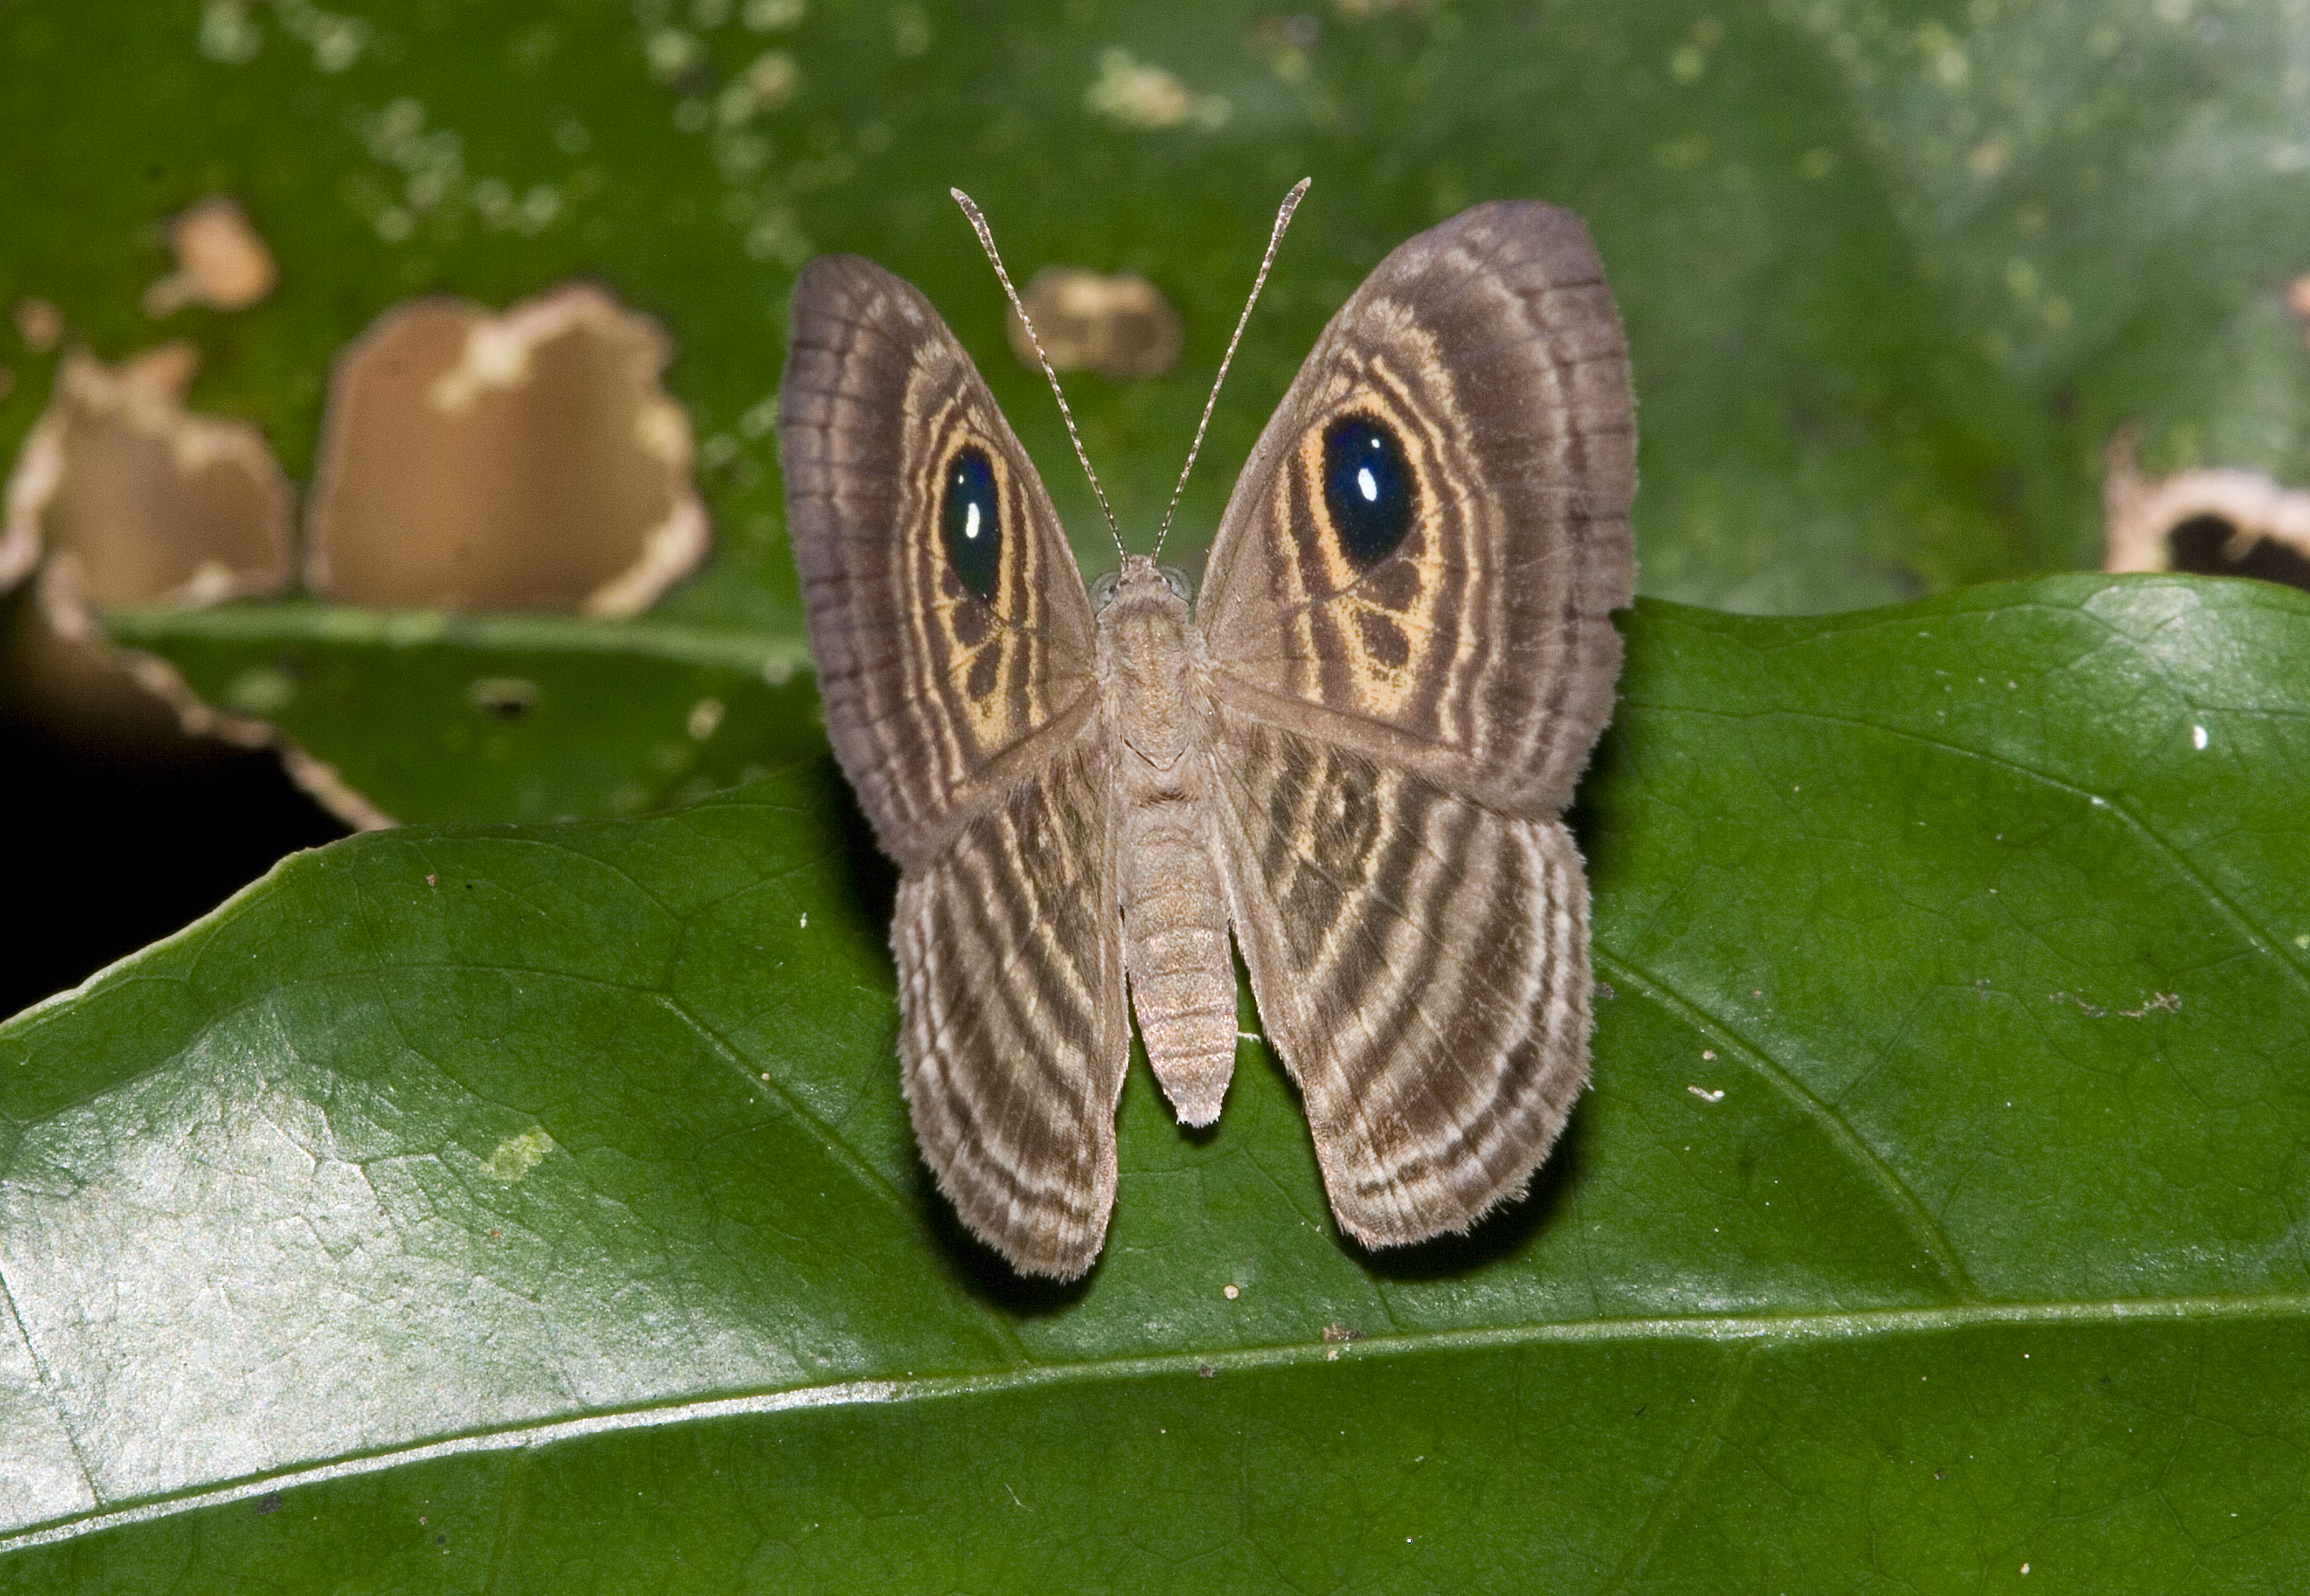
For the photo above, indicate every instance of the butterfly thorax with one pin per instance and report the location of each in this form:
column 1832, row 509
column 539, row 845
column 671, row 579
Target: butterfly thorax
column 1148, row 666
column 1175, row 923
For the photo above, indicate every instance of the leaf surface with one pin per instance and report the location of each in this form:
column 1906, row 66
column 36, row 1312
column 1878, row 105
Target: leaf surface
column 516, row 1207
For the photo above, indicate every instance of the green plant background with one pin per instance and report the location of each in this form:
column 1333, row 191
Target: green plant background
column 483, row 1205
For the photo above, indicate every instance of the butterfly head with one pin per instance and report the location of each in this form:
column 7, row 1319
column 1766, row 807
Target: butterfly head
column 1140, row 581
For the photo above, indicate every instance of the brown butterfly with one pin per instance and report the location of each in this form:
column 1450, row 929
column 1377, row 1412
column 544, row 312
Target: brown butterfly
column 1353, row 751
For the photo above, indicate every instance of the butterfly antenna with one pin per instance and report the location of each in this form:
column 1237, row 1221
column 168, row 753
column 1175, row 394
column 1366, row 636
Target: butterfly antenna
column 1274, row 242
column 986, row 242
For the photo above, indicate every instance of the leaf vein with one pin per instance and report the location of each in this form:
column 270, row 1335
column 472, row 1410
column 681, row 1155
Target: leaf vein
column 1925, row 1228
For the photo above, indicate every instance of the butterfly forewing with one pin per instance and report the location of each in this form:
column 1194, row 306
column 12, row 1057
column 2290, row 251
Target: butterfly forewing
column 936, row 698
column 1478, row 651
column 1406, row 616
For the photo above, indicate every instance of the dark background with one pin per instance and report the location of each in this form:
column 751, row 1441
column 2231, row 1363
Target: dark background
column 125, row 832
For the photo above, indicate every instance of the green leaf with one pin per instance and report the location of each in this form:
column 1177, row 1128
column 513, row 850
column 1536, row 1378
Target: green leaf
column 1892, row 274
column 500, row 1208
column 521, row 718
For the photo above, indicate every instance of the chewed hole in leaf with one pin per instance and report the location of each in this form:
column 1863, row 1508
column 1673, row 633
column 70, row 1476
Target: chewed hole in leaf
column 132, row 499
column 2210, row 546
column 38, row 323
column 221, row 262
column 152, row 503
column 528, row 460
column 504, row 699
column 2209, row 522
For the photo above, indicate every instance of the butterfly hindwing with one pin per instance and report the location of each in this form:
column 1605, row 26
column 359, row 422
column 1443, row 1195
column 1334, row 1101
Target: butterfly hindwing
column 1012, row 1031
column 1421, row 962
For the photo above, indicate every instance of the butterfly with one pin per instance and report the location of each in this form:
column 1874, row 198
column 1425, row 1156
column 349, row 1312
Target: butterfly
column 1346, row 756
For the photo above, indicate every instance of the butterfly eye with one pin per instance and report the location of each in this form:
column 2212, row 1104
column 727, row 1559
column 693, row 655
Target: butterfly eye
column 1102, row 588
column 973, row 529
column 1176, row 581
column 1367, row 489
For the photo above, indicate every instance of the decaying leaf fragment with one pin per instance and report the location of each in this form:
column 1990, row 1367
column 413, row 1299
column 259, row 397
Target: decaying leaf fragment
column 526, row 460
column 221, row 260
column 1121, row 327
column 2215, row 522
column 149, row 502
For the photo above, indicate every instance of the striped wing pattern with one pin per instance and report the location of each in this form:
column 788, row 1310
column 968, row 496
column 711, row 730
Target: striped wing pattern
column 1420, row 963
column 1012, row 1029
column 969, row 729
column 1385, row 733
column 936, row 702
column 1399, row 738
column 1479, row 653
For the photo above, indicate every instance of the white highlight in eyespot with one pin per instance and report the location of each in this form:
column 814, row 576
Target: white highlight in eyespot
column 1368, row 485
column 970, row 527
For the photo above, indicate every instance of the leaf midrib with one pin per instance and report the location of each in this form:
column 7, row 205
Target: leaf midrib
column 1752, row 1329
column 786, row 653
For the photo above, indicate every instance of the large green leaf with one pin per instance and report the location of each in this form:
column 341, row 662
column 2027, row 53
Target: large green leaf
column 1892, row 274
column 469, row 1208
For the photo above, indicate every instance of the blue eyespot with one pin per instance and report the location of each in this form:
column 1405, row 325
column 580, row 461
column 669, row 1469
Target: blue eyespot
column 1367, row 489
column 974, row 527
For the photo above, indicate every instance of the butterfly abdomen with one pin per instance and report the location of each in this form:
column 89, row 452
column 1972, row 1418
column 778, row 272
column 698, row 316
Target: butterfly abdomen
column 1175, row 920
